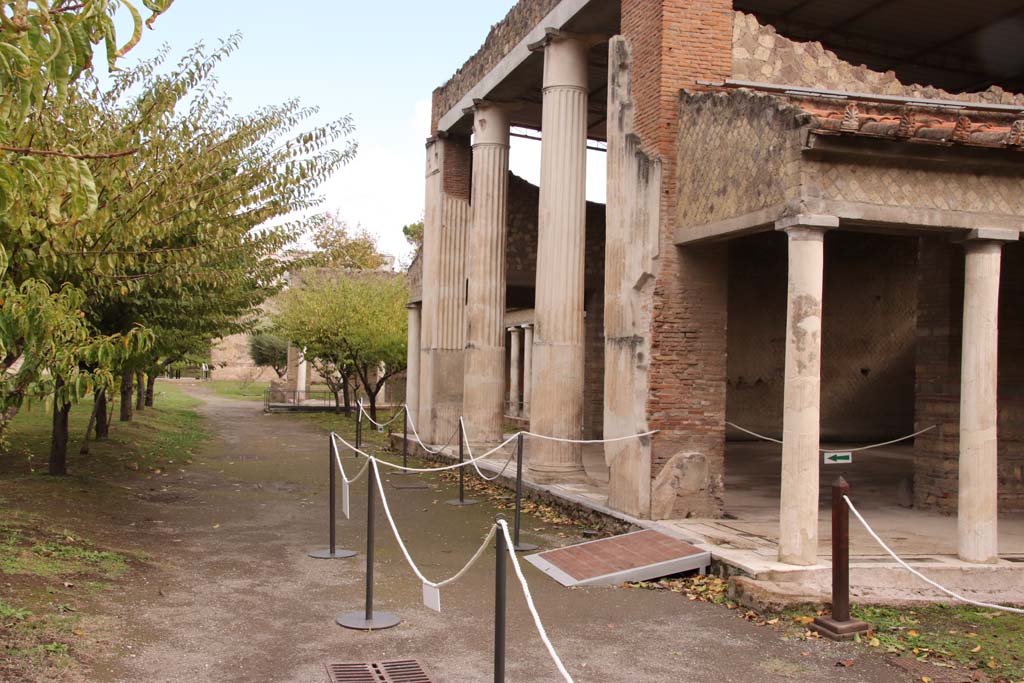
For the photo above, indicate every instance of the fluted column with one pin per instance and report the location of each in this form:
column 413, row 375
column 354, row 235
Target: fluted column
column 557, row 402
column 412, row 368
column 485, row 260
column 513, row 373
column 798, row 505
column 977, row 509
column 527, row 368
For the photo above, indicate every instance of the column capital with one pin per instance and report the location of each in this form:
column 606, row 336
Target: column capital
column 565, row 58
column 526, row 326
column 414, row 305
column 807, row 226
column 491, row 124
column 996, row 235
column 555, row 35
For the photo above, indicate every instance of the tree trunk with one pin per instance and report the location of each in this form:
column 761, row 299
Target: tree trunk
column 140, row 391
column 345, row 391
column 84, row 450
column 150, row 387
column 371, row 396
column 102, row 416
column 59, row 436
column 126, row 396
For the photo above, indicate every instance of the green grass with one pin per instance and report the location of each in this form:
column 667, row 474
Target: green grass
column 50, row 575
column 248, row 391
column 157, row 437
column 971, row 637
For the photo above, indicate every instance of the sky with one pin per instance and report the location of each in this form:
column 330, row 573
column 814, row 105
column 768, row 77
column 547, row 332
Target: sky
column 378, row 61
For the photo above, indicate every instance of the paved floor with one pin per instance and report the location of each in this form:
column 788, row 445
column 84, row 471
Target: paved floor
column 236, row 599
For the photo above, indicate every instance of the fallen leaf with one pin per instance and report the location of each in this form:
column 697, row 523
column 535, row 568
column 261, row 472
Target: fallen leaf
column 847, row 663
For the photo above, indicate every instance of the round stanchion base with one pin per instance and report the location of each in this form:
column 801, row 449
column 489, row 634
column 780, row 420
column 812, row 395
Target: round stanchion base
column 338, row 554
column 461, row 503
column 357, row 621
column 524, row 547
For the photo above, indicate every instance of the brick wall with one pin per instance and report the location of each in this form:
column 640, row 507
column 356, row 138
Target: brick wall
column 458, row 168
column 674, row 43
column 939, row 333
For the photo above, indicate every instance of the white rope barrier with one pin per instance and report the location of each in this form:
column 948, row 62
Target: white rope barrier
column 341, row 468
column 921, row 576
column 588, row 441
column 510, row 546
column 416, row 435
column 833, row 450
column 465, row 436
column 380, row 425
column 405, row 551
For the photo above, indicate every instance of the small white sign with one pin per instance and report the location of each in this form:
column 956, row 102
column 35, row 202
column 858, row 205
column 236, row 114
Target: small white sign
column 839, row 458
column 344, row 498
column 431, row 597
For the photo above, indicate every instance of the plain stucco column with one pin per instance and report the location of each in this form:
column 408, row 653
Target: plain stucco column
column 302, row 375
column 527, row 368
column 513, row 372
column 557, row 401
column 412, row 368
column 977, row 508
column 484, row 384
column 798, row 505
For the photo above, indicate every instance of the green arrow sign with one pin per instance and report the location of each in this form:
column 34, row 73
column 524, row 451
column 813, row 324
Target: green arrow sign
column 838, row 458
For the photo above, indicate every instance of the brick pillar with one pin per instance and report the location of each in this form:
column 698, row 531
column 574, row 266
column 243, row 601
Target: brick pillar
column 673, row 44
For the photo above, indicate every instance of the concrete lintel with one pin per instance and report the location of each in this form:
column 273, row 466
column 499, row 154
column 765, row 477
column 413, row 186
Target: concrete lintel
column 993, row 234
column 553, row 34
column 911, row 219
column 556, row 18
column 808, row 220
column 755, row 221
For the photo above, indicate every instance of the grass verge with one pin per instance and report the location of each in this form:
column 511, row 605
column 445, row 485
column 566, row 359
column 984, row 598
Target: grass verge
column 52, row 577
column 247, row 391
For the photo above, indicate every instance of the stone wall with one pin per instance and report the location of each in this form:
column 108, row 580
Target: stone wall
column 502, row 37
column 521, row 268
column 760, row 54
column 939, row 331
column 229, row 359
column 868, row 335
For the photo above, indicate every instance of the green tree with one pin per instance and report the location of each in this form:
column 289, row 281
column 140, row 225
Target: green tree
column 186, row 236
column 338, row 246
column 414, row 233
column 269, row 351
column 46, row 345
column 356, row 321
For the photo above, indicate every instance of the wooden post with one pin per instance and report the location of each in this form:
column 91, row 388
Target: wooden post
column 840, row 626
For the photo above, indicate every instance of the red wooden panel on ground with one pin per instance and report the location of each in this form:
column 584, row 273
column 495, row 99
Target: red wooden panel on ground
column 637, row 556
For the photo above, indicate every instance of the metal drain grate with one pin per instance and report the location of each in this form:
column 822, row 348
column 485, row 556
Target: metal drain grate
column 397, row 671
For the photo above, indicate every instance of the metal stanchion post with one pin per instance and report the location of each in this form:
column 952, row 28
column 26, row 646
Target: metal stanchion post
column 519, row 545
column 462, row 500
column 331, row 553
column 405, row 442
column 840, row 626
column 359, row 426
column 367, row 620
column 500, row 597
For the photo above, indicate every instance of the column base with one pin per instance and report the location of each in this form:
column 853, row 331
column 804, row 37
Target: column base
column 839, row 630
column 558, row 475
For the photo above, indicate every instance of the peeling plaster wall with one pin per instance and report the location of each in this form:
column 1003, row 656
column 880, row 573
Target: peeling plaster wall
column 868, row 335
column 760, row 54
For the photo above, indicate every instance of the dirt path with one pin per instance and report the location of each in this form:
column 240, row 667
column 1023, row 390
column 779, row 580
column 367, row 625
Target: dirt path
column 236, row 598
